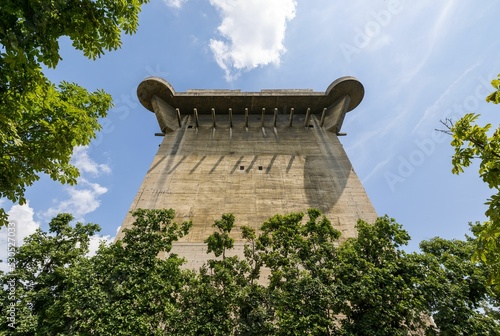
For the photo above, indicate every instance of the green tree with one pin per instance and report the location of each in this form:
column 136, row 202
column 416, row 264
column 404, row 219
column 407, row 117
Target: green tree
column 310, row 282
column 301, row 257
column 125, row 289
column 462, row 302
column 383, row 289
column 471, row 141
column 367, row 285
column 208, row 303
column 43, row 269
column 223, row 298
column 40, row 122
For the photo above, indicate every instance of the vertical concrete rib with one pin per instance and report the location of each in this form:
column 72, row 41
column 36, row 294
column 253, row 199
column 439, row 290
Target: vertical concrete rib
column 195, row 111
column 308, row 115
column 323, row 114
column 214, row 126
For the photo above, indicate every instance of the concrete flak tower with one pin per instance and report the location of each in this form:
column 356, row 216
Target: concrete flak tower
column 253, row 154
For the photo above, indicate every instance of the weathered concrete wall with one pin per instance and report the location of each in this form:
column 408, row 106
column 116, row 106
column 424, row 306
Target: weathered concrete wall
column 252, row 165
column 254, row 174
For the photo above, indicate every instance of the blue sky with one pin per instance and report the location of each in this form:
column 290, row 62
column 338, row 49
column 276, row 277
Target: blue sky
column 419, row 61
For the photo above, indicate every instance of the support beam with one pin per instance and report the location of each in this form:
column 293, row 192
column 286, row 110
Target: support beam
column 291, row 117
column 178, row 117
column 322, row 122
column 214, row 126
column 246, row 118
column 166, row 115
column 335, row 114
column 196, row 121
column 308, row 115
column 275, row 116
column 230, row 118
column 263, row 115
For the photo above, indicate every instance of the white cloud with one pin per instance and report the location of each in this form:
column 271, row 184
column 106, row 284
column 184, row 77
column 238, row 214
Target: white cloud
column 22, row 225
column 23, row 217
column 95, row 242
column 83, row 199
column 254, row 32
column 85, row 164
column 177, row 4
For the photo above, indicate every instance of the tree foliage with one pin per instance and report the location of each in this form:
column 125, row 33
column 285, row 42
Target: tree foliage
column 386, row 289
column 462, row 300
column 472, row 141
column 125, row 289
column 297, row 278
column 41, row 122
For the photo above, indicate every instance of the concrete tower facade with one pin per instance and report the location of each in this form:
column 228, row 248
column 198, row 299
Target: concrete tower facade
column 253, row 154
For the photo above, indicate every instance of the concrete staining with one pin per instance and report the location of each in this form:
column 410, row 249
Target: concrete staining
column 253, row 154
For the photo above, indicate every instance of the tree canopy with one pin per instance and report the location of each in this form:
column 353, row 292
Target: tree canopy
column 472, row 141
column 41, row 122
column 297, row 277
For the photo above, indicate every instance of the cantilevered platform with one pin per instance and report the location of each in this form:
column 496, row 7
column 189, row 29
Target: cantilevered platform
column 342, row 96
column 205, row 100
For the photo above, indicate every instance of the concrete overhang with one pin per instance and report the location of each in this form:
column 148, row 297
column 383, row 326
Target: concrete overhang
column 222, row 100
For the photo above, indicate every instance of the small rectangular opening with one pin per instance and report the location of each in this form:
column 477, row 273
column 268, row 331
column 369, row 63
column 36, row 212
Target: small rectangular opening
column 242, row 167
column 260, row 167
column 311, row 126
column 190, row 126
